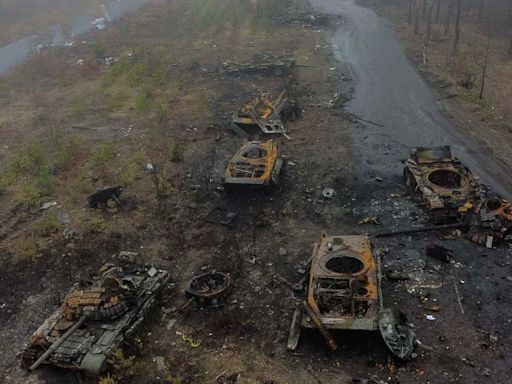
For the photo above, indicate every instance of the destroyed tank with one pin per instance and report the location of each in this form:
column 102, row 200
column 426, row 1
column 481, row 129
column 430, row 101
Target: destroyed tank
column 344, row 293
column 451, row 193
column 96, row 316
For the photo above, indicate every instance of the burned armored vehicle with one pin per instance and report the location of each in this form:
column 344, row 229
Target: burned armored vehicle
column 344, row 293
column 451, row 193
column 440, row 182
column 256, row 163
column 95, row 318
column 267, row 114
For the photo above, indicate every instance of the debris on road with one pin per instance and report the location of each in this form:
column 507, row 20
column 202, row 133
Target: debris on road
column 370, row 220
column 256, row 163
column 220, row 215
column 439, row 252
column 328, row 193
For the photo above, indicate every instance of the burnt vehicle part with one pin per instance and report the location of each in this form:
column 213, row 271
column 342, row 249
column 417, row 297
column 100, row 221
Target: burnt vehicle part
column 261, row 63
column 451, row 193
column 208, row 288
column 220, row 215
column 100, row 198
column 344, row 292
column 95, row 318
column 440, row 182
column 439, row 252
column 256, row 163
column 267, row 114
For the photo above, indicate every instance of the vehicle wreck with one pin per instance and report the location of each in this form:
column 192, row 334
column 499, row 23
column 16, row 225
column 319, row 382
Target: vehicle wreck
column 261, row 63
column 256, row 163
column 267, row 114
column 95, row 317
column 451, row 193
column 344, row 292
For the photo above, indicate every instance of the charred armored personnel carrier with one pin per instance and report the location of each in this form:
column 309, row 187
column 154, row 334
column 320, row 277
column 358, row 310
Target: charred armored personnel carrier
column 440, row 182
column 267, row 114
column 95, row 318
column 256, row 163
column 344, row 292
column 451, row 193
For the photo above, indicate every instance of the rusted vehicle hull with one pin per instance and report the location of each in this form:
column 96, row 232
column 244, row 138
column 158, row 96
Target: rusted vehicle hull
column 267, row 114
column 344, row 293
column 451, row 193
column 256, row 163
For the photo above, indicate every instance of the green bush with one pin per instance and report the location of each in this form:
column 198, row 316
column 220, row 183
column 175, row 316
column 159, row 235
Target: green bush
column 77, row 107
column 104, row 154
column 27, row 248
column 142, row 102
column 115, row 102
column 72, row 149
column 28, row 161
column 130, row 173
column 100, row 49
column 137, row 75
column 48, row 225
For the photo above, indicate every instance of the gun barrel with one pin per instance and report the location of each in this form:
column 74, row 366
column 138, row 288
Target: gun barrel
column 57, row 343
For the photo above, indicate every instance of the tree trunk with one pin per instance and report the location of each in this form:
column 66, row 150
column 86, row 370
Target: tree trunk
column 486, row 62
column 424, row 9
column 480, row 9
column 438, row 11
column 449, row 15
column 457, row 31
column 417, row 18
column 429, row 20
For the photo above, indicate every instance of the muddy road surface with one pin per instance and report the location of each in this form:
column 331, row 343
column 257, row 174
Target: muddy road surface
column 404, row 112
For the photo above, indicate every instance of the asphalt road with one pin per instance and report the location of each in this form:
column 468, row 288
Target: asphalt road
column 390, row 92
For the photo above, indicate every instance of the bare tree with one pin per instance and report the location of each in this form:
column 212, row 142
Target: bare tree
column 417, row 10
column 486, row 63
column 449, row 15
column 430, row 11
column 438, row 11
column 457, row 31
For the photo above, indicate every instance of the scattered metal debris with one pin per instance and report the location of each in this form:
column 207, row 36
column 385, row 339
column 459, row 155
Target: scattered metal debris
column 101, row 197
column 344, row 293
column 48, row 205
column 256, row 163
column 370, row 220
column 261, row 63
column 439, row 252
column 221, row 216
column 267, row 114
column 95, row 318
column 328, row 193
column 208, row 288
